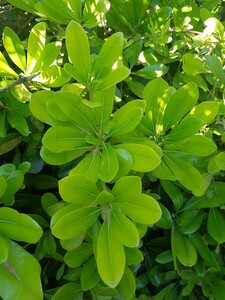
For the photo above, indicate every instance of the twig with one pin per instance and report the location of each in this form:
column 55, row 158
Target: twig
column 19, row 81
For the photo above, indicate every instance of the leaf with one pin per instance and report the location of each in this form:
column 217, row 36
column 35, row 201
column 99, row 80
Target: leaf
column 174, row 193
column 183, row 249
column 89, row 275
column 71, row 221
column 110, row 257
column 78, row 256
column 53, row 76
column 216, row 67
column 14, row 48
column 4, row 250
column 70, row 291
column 192, row 65
column 165, row 221
column 60, row 138
column 13, row 272
column 78, row 189
column 5, row 69
column 145, row 159
column 123, row 229
column 189, row 221
column 203, row 250
column 3, row 184
column 127, row 285
column 152, row 71
column 145, row 210
column 125, row 162
column 88, row 166
column 108, row 55
column 78, row 49
column 104, row 197
column 133, row 256
column 216, row 224
column 19, row 227
column 17, row 121
column 128, row 187
column 179, row 104
column 76, row 111
column 155, row 96
column 36, row 43
column 109, row 163
column 115, row 76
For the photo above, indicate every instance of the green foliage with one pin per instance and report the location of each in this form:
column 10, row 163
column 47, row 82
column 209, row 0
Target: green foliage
column 112, row 149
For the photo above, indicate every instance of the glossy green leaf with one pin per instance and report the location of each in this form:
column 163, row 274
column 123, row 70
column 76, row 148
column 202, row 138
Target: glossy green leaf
column 203, row 250
column 123, row 229
column 76, row 111
column 144, row 210
column 78, row 256
column 4, row 249
column 71, row 221
column 17, row 121
column 132, row 53
column 104, row 197
column 36, row 43
column 145, row 159
column 14, row 272
column 110, row 257
column 59, row 139
column 128, row 187
column 174, row 193
column 216, row 224
column 3, row 184
column 89, row 275
column 133, row 256
column 179, row 104
column 216, row 67
column 78, row 49
column 21, row 93
column 78, row 189
column 115, row 76
column 109, row 163
column 183, row 249
column 165, row 221
column 14, row 48
column 155, row 96
column 218, row 287
column 189, row 221
column 70, row 291
column 53, row 77
column 164, row 257
column 19, row 227
column 5, row 69
column 108, row 55
column 125, row 162
column 127, row 285
column 88, row 166
column 152, row 71
column 193, row 65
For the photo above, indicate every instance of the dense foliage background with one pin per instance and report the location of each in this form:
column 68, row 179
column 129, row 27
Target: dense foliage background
column 112, row 146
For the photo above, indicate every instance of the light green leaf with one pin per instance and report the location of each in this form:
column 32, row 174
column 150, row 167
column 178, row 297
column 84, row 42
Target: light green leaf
column 36, row 43
column 71, row 221
column 78, row 189
column 189, row 221
column 115, row 76
column 62, row 157
column 4, row 249
column 104, row 197
column 165, row 221
column 145, row 159
column 78, row 49
column 88, row 166
column 78, row 256
column 152, row 71
column 19, row 227
column 69, row 291
column 108, row 55
column 89, row 275
column 76, row 111
column 155, row 96
column 145, row 210
column 128, row 187
column 14, row 273
column 21, row 93
column 127, row 285
column 110, row 257
column 17, row 121
column 216, row 67
column 14, row 48
column 125, row 162
column 109, row 163
column 192, row 65
column 183, row 249
column 123, row 229
column 54, row 76
column 59, row 139
column 215, row 225
column 133, row 256
column 3, row 185
column 179, row 104
column 5, row 69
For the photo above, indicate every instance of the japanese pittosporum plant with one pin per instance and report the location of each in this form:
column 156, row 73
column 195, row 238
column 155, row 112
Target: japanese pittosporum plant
column 130, row 151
